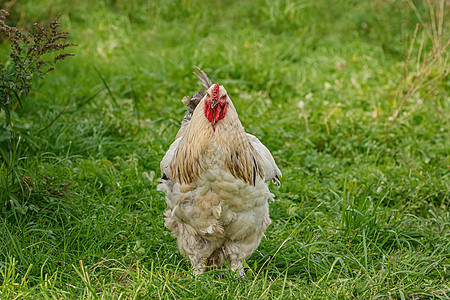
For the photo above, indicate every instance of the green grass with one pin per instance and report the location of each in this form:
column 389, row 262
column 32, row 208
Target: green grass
column 360, row 214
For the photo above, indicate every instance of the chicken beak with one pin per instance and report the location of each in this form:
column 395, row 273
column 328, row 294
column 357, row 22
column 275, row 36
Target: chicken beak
column 213, row 103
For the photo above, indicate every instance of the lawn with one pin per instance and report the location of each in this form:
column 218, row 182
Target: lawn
column 363, row 207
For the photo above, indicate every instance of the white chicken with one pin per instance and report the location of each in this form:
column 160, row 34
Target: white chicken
column 214, row 177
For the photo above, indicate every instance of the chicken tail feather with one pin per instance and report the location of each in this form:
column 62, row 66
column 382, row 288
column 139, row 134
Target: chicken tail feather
column 204, row 79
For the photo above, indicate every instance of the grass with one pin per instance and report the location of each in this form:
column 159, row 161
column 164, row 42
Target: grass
column 361, row 213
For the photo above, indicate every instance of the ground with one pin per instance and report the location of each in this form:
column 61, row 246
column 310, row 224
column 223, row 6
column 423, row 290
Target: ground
column 362, row 211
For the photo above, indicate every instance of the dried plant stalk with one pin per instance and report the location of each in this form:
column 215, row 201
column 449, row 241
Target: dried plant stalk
column 432, row 65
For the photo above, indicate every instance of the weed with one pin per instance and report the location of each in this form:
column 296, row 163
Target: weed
column 29, row 56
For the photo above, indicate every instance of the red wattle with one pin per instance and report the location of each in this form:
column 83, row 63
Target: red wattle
column 223, row 112
column 208, row 111
column 217, row 112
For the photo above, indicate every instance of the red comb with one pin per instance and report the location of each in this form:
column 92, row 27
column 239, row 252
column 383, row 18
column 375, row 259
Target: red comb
column 215, row 94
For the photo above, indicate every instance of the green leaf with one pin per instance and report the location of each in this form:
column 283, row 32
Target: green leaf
column 4, row 134
column 7, row 114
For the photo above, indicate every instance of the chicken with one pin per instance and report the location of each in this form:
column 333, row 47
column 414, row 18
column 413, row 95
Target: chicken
column 215, row 178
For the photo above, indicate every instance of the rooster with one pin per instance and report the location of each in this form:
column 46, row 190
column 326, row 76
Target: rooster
column 215, row 178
